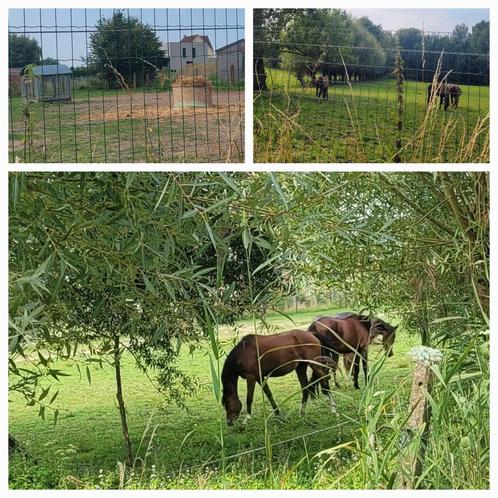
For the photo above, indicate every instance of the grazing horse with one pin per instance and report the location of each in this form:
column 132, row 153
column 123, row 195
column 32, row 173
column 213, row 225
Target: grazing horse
column 318, row 83
column 351, row 333
column 278, row 355
column 322, row 87
column 325, row 88
column 449, row 94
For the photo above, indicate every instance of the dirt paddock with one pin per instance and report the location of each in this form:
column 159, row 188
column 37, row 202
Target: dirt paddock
column 133, row 127
column 152, row 105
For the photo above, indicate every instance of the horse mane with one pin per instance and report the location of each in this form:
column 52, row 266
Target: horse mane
column 230, row 367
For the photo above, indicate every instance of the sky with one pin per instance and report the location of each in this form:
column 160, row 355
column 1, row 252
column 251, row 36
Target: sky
column 69, row 42
column 441, row 20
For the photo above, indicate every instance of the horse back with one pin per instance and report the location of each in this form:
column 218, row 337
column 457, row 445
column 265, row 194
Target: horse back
column 279, row 353
column 454, row 89
column 340, row 334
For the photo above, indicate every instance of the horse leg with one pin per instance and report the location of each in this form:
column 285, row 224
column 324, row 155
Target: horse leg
column 266, row 390
column 323, row 375
column 335, row 365
column 356, row 370
column 446, row 101
column 364, row 360
column 251, row 383
column 348, row 364
column 313, row 385
column 303, row 380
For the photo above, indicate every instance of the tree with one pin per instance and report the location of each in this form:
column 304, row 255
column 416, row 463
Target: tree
column 135, row 262
column 48, row 61
column 369, row 58
column 267, row 26
column 479, row 38
column 386, row 248
column 460, row 38
column 23, row 50
column 409, row 38
column 310, row 42
column 125, row 50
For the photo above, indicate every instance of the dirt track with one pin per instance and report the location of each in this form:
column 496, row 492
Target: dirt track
column 153, row 105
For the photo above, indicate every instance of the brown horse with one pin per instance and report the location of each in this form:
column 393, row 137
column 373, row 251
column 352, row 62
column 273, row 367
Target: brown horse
column 448, row 93
column 278, row 355
column 352, row 333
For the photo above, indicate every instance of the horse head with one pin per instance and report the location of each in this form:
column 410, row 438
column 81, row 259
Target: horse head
column 387, row 331
column 233, row 407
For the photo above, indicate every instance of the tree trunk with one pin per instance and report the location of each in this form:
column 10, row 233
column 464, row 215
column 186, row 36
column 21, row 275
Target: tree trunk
column 121, row 404
column 259, row 74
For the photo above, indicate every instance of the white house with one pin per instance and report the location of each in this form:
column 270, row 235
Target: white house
column 194, row 49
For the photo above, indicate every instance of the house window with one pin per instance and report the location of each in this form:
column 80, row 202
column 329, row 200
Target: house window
column 184, row 52
column 193, row 52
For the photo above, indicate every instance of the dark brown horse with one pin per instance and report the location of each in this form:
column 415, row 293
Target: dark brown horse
column 278, row 355
column 448, row 93
column 352, row 333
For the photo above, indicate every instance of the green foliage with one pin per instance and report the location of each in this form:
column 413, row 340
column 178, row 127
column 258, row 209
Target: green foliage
column 312, row 38
column 49, row 61
column 23, row 50
column 389, row 251
column 177, row 438
column 479, row 38
column 155, row 258
column 332, row 41
column 122, row 47
column 162, row 260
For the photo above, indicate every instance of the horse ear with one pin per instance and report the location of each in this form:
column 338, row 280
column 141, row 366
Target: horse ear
column 395, row 327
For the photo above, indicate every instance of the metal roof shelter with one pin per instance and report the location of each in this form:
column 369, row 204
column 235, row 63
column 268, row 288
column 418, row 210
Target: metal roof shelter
column 50, row 83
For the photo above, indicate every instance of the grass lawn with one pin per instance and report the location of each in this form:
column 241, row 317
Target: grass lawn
column 182, row 446
column 357, row 123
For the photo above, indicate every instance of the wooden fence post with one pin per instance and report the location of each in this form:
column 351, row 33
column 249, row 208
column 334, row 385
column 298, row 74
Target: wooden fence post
column 413, row 438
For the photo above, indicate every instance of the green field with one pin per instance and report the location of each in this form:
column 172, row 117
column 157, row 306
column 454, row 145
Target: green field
column 181, row 446
column 358, row 123
column 118, row 126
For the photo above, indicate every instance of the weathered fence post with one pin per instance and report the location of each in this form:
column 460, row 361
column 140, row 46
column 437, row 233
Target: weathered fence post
column 413, row 438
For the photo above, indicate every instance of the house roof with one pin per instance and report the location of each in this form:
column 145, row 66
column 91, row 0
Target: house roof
column 242, row 40
column 50, row 70
column 191, row 39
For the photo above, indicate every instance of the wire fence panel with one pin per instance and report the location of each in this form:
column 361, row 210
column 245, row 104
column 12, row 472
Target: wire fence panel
column 364, row 104
column 130, row 85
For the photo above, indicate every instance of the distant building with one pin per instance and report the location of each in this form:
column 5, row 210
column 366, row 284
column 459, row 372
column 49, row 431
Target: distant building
column 50, row 83
column 15, row 80
column 194, row 49
column 231, row 62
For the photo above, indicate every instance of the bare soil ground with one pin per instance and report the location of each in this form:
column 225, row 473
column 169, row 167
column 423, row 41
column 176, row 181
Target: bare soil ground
column 135, row 127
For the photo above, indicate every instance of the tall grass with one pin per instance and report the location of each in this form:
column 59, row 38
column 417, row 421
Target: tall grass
column 455, row 451
column 433, row 140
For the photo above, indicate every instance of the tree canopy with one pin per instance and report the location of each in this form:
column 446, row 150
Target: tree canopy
column 123, row 49
column 333, row 42
column 23, row 50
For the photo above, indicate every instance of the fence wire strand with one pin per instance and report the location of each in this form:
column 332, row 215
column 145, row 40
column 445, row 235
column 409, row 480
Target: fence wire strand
column 126, row 85
column 361, row 105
